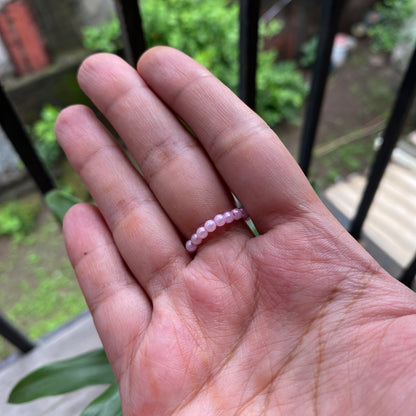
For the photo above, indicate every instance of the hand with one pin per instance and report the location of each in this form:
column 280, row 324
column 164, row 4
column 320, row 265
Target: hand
column 297, row 321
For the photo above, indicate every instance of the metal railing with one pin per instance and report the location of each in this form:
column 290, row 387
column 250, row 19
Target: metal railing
column 135, row 45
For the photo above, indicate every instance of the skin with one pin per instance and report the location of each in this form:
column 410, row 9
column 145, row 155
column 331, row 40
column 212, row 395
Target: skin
column 297, row 321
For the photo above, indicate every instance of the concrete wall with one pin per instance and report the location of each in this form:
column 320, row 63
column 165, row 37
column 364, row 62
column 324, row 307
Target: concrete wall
column 9, row 159
column 61, row 21
column 60, row 24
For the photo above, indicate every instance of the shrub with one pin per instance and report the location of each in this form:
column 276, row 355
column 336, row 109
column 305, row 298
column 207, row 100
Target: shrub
column 17, row 217
column 104, row 37
column 43, row 132
column 387, row 32
column 209, row 31
column 309, row 50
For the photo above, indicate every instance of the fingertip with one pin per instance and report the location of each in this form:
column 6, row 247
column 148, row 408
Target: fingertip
column 103, row 69
column 80, row 217
column 89, row 65
column 67, row 118
column 162, row 66
column 155, row 52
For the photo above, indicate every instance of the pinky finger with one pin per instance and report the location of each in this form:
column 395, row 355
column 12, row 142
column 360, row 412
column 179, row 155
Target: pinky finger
column 120, row 308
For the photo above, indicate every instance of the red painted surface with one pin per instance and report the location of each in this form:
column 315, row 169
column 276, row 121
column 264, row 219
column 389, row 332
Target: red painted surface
column 22, row 38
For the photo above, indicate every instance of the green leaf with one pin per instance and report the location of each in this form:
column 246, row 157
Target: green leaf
column 107, row 404
column 91, row 368
column 59, row 202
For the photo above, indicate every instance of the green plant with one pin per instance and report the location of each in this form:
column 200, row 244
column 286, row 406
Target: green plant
column 59, row 203
column 386, row 32
column 43, row 131
column 18, row 217
column 209, row 31
column 89, row 369
column 105, row 37
column 280, row 90
column 308, row 51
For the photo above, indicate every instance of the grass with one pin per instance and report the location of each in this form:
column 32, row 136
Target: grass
column 337, row 164
column 361, row 95
column 17, row 217
column 39, row 291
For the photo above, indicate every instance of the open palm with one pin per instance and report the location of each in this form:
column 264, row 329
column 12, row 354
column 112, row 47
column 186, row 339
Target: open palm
column 296, row 321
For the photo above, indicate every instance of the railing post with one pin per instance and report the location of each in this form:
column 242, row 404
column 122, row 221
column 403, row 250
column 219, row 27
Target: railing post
column 249, row 21
column 331, row 14
column 15, row 131
column 14, row 336
column 131, row 29
column 391, row 135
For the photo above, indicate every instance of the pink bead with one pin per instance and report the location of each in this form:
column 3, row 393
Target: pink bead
column 219, row 220
column 190, row 246
column 195, row 239
column 236, row 214
column 202, row 233
column 210, row 226
column 228, row 217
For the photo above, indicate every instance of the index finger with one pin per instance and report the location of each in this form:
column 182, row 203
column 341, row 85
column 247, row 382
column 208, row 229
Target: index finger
column 247, row 153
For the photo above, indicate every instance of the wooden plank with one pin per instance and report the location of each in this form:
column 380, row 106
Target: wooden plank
column 391, row 223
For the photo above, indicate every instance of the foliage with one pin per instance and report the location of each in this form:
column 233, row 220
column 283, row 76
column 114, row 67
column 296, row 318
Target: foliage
column 59, row 203
column 43, row 132
column 280, row 92
column 107, row 404
column 309, row 50
column 104, row 37
column 39, row 291
column 50, row 303
column 392, row 14
column 209, row 32
column 88, row 369
column 18, row 217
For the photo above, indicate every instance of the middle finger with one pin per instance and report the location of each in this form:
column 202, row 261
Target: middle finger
column 174, row 165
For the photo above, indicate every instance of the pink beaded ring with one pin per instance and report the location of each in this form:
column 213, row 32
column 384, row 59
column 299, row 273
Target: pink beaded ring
column 212, row 224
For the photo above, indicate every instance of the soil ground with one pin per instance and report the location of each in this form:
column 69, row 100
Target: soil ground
column 357, row 103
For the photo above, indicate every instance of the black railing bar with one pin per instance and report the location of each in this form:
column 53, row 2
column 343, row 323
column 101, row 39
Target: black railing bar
column 131, row 29
column 18, row 136
column 14, row 335
column 330, row 16
column 391, row 135
column 249, row 21
column 409, row 274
